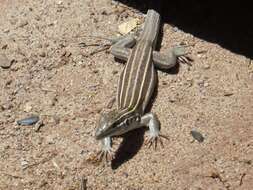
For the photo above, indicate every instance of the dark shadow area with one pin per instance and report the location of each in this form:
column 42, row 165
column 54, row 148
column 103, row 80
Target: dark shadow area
column 228, row 24
column 131, row 144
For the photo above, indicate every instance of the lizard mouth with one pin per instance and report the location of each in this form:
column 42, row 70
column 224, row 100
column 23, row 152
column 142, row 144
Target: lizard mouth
column 112, row 131
column 106, row 133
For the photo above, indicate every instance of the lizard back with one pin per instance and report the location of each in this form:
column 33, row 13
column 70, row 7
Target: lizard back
column 138, row 78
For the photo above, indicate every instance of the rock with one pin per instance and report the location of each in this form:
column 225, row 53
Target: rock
column 38, row 125
column 24, row 164
column 42, row 54
column 197, row 136
column 5, row 63
column 206, row 66
column 28, row 121
column 206, row 84
column 28, row 107
column 114, row 72
column 23, row 23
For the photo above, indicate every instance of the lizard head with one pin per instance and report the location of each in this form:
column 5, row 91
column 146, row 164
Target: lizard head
column 116, row 123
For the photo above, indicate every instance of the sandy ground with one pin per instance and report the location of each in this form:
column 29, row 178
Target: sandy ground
column 47, row 73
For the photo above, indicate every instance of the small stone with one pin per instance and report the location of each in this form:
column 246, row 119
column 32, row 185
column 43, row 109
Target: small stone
column 5, row 63
column 164, row 83
column 197, row 136
column 206, row 84
column 28, row 107
column 95, row 71
column 53, row 101
column 8, row 82
column 37, row 17
column 104, row 12
column 189, row 79
column 200, row 82
column 23, row 23
column 42, row 54
column 38, row 125
column 175, row 29
column 125, row 174
column 7, row 30
column 28, row 121
column 5, row 46
column 227, row 93
column 206, row 66
column 59, row 3
column 172, row 98
column 201, row 51
column 24, row 164
column 114, row 72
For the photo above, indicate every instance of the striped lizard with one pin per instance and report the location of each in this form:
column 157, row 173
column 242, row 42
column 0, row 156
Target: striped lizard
column 136, row 86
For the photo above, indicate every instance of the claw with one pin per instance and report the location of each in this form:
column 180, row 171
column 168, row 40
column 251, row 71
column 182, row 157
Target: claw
column 185, row 60
column 154, row 140
column 105, row 156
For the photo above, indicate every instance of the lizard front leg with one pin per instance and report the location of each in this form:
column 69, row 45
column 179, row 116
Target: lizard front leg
column 153, row 123
column 106, row 153
column 121, row 48
column 161, row 60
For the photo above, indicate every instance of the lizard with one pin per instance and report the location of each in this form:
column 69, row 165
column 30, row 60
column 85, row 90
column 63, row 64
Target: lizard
column 136, row 86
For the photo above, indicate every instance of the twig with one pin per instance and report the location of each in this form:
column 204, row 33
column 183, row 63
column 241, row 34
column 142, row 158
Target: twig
column 14, row 176
column 243, row 175
column 97, row 51
column 83, row 185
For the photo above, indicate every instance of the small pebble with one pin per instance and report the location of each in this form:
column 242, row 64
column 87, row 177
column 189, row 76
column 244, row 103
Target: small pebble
column 38, row 125
column 114, row 72
column 197, row 136
column 206, row 84
column 42, row 54
column 206, row 66
column 24, row 164
column 5, row 46
column 28, row 107
column 104, row 12
column 228, row 93
column 200, row 82
column 6, row 30
column 175, row 29
column 172, row 98
column 5, row 63
column 22, row 23
column 28, row 121
column 125, row 174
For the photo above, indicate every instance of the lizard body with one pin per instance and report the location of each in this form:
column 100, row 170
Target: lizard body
column 136, row 85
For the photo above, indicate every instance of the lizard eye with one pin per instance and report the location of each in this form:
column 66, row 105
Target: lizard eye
column 127, row 122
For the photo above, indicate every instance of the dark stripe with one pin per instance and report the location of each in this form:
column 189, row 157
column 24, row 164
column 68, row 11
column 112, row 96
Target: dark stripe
column 143, row 68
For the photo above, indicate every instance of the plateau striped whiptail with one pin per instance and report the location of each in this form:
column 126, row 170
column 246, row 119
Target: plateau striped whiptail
column 136, row 86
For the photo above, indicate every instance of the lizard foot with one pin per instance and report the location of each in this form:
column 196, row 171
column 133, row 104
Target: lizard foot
column 181, row 53
column 105, row 156
column 153, row 140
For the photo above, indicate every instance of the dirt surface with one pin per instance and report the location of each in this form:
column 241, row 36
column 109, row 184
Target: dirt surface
column 45, row 71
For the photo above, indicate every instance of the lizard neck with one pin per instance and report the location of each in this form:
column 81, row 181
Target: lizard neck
column 151, row 27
